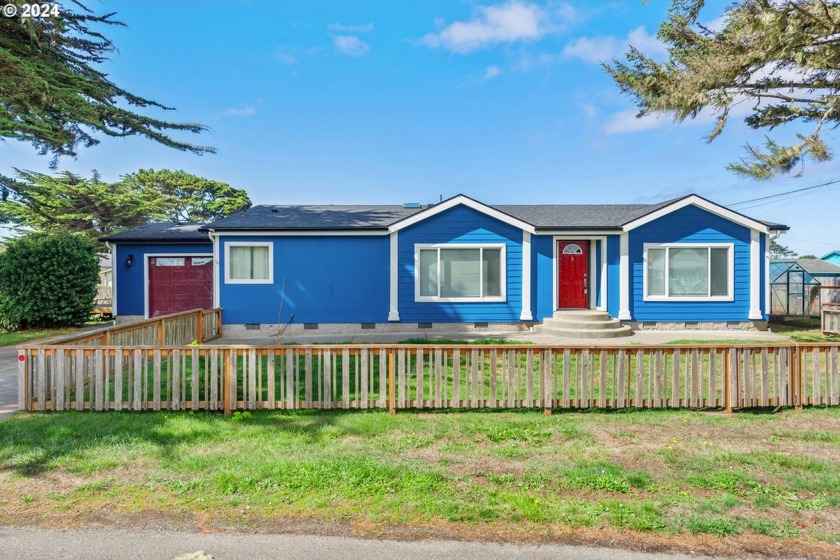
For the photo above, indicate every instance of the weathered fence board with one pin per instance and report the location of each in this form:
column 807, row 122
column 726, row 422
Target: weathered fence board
column 58, row 377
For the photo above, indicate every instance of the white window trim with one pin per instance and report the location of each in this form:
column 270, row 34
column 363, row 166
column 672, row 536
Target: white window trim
column 593, row 289
column 269, row 244
column 730, row 280
column 480, row 299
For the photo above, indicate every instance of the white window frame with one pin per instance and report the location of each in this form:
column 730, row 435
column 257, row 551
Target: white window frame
column 269, row 244
column 731, row 270
column 481, row 298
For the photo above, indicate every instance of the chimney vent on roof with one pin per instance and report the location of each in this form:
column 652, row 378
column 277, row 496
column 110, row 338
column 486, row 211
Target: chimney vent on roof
column 411, row 205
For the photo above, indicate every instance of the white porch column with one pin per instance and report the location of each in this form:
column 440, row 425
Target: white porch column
column 393, row 312
column 603, row 290
column 624, row 278
column 755, row 276
column 216, row 269
column 767, row 275
column 526, row 278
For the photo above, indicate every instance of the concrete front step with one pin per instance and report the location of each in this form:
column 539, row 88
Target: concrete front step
column 622, row 330
column 583, row 323
column 582, row 315
column 558, row 323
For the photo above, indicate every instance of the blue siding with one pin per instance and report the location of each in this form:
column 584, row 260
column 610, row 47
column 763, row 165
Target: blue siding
column 131, row 289
column 459, row 225
column 335, row 279
column 542, row 278
column 613, row 274
column 691, row 225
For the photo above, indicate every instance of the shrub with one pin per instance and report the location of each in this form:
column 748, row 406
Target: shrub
column 47, row 281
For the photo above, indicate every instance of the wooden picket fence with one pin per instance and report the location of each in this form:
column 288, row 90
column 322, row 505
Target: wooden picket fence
column 196, row 325
column 397, row 377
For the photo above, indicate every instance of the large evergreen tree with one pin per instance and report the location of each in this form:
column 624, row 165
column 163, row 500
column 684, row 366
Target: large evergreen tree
column 778, row 59
column 190, row 198
column 66, row 202
column 52, row 95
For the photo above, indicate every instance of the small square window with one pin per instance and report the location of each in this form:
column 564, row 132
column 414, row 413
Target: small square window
column 248, row 263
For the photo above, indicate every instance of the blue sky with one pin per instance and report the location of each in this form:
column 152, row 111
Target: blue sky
column 390, row 102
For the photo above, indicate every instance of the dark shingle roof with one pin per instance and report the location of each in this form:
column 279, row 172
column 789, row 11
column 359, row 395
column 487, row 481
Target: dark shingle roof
column 271, row 217
column 578, row 216
column 168, row 231
column 314, row 217
column 817, row 266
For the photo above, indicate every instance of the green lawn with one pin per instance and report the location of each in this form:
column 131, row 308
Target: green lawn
column 676, row 477
column 808, row 330
column 18, row 337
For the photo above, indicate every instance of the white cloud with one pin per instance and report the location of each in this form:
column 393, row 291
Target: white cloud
column 350, row 45
column 492, row 72
column 246, row 111
column 646, row 42
column 607, row 47
column 593, row 49
column 510, row 22
column 363, row 28
column 284, row 57
column 626, row 121
column 716, row 24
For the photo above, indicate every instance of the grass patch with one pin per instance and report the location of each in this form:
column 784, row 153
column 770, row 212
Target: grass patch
column 680, row 473
column 808, row 330
column 18, row 337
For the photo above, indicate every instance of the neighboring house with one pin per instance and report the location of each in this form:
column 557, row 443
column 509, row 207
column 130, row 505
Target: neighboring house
column 801, row 286
column 832, row 257
column 103, row 301
column 458, row 263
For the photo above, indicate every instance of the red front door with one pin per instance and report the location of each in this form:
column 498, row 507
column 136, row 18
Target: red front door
column 571, row 274
column 179, row 284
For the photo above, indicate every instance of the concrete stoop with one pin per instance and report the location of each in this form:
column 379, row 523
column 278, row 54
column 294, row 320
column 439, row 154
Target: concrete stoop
column 583, row 323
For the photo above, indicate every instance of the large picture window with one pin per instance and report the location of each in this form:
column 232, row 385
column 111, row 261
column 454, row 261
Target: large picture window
column 248, row 263
column 460, row 273
column 689, row 272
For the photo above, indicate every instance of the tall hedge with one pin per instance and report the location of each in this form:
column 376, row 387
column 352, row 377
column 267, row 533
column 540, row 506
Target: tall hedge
column 47, row 281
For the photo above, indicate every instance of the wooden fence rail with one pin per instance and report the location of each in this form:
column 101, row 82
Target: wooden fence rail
column 395, row 377
column 199, row 325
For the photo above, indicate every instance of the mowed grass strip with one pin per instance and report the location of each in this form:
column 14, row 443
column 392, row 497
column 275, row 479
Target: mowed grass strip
column 667, row 473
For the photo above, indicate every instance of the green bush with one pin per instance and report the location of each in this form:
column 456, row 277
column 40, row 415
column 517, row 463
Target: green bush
column 47, row 281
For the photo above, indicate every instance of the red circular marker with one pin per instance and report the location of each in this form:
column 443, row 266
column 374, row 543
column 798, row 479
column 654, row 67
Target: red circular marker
column 21, row 358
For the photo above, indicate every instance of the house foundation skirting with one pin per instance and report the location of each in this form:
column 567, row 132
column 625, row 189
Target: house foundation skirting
column 418, row 329
column 697, row 326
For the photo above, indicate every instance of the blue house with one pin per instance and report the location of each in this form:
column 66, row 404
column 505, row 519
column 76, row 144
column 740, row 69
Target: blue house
column 833, row 257
column 456, row 264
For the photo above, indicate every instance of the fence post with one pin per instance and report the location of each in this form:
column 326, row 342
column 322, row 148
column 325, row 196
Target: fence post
column 392, row 405
column 798, row 378
column 161, row 332
column 226, row 378
column 545, row 361
column 200, row 327
column 727, row 382
column 23, row 380
column 218, row 313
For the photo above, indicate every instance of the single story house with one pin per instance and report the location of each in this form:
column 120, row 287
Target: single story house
column 460, row 263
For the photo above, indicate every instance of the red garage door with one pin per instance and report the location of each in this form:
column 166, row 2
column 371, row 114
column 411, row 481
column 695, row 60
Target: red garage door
column 179, row 284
